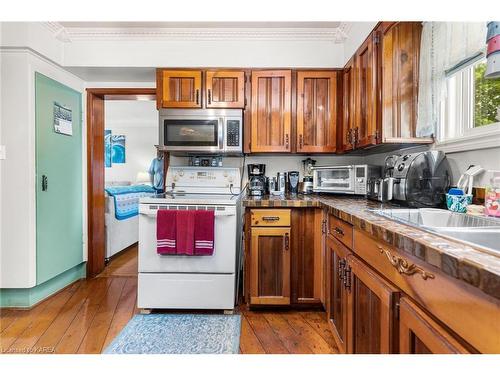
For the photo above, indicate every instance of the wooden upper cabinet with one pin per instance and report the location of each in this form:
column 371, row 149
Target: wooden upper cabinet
column 225, row 89
column 366, row 66
column 316, row 111
column 181, row 88
column 270, row 266
column 371, row 305
column 421, row 334
column 400, row 48
column 271, row 111
column 348, row 101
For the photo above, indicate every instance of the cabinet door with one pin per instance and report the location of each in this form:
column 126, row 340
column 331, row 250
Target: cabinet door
column 371, row 305
column 337, row 293
column 306, row 242
column 421, row 334
column 316, row 111
column 181, row 88
column 348, row 101
column 270, row 266
column 271, row 116
column 366, row 66
column 400, row 46
column 225, row 89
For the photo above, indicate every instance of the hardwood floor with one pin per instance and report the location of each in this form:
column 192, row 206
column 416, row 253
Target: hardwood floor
column 87, row 315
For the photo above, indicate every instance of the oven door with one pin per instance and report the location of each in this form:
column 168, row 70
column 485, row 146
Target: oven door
column 196, row 134
column 334, row 179
column 223, row 259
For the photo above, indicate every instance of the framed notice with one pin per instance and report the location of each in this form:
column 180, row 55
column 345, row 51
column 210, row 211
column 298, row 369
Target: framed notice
column 63, row 120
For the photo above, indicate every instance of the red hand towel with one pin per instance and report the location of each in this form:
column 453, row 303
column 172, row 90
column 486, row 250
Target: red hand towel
column 204, row 233
column 185, row 232
column 166, row 232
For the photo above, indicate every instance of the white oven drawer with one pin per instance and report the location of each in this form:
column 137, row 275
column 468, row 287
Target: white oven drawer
column 223, row 259
column 185, row 291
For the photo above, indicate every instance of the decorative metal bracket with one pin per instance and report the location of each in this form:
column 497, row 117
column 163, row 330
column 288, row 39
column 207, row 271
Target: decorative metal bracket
column 402, row 265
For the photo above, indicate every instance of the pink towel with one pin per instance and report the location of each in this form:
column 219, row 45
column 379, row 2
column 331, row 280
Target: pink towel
column 204, row 233
column 185, row 232
column 166, row 232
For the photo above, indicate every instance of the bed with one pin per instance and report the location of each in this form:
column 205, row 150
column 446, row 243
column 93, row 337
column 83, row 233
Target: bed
column 121, row 215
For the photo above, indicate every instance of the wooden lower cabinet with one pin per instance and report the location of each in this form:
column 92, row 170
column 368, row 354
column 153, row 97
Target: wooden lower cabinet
column 421, row 334
column 372, row 327
column 270, row 266
column 337, row 294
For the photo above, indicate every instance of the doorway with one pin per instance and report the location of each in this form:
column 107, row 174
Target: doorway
column 96, row 98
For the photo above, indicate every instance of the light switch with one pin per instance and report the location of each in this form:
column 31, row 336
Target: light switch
column 3, row 153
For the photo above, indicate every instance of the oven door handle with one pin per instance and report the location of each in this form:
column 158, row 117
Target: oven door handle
column 221, row 133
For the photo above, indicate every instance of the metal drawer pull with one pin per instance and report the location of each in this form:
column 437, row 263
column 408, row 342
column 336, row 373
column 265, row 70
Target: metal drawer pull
column 287, row 242
column 403, row 266
column 338, row 231
column 270, row 218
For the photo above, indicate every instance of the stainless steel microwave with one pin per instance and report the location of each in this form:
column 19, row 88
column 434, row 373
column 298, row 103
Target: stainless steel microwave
column 201, row 130
column 348, row 179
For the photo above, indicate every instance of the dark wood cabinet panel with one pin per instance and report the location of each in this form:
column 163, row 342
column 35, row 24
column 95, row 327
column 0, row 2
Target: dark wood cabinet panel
column 181, row 88
column 306, row 244
column 371, row 305
column 348, row 103
column 225, row 89
column 421, row 334
column 316, row 111
column 400, row 50
column 366, row 67
column 337, row 295
column 270, row 266
column 271, row 111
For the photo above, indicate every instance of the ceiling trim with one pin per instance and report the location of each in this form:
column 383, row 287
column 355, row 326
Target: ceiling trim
column 73, row 34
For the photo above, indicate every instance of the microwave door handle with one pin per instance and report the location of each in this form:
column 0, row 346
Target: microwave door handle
column 221, row 133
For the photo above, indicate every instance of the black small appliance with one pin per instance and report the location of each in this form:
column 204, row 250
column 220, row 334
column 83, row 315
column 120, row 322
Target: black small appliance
column 256, row 179
column 293, row 182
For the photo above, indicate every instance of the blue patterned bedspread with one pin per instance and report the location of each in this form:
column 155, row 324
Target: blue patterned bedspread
column 127, row 199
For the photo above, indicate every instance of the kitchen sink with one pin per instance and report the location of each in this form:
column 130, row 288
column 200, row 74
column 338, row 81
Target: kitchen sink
column 475, row 230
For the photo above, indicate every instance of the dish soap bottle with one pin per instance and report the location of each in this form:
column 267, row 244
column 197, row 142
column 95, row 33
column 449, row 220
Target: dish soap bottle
column 492, row 196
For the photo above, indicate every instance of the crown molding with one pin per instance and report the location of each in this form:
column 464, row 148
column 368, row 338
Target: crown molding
column 73, row 34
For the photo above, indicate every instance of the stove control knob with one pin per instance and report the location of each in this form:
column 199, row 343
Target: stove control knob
column 181, row 173
column 225, row 173
column 230, row 179
column 401, row 167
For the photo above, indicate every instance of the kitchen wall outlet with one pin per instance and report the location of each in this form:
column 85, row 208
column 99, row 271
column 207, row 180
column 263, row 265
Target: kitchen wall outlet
column 3, row 152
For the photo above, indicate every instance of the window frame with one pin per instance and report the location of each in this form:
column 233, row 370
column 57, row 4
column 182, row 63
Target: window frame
column 458, row 108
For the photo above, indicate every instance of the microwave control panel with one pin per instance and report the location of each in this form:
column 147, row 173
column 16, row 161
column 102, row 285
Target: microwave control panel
column 233, row 133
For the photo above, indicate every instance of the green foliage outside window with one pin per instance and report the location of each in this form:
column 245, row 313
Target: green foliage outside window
column 486, row 97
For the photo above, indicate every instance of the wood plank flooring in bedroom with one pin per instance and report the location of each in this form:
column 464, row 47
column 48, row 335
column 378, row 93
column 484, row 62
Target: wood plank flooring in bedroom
column 86, row 316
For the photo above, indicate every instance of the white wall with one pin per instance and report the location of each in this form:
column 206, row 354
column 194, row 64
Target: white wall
column 17, row 171
column 357, row 35
column 138, row 121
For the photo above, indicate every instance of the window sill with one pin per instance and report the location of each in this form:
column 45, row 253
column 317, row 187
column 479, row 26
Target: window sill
column 480, row 141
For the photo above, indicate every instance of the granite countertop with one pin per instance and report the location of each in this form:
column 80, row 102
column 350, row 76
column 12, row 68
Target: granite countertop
column 456, row 259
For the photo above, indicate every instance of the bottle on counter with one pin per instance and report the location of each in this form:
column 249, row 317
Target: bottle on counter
column 492, row 196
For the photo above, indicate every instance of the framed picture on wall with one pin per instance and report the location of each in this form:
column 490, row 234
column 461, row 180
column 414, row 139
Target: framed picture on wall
column 117, row 149
column 107, row 148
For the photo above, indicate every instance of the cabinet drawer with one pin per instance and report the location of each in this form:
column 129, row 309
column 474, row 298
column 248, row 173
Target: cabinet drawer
column 340, row 230
column 270, row 218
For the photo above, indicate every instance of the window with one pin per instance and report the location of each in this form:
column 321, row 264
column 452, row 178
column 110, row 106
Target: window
column 470, row 113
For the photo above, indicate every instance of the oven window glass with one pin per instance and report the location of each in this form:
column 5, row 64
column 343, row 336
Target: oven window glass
column 339, row 179
column 190, row 132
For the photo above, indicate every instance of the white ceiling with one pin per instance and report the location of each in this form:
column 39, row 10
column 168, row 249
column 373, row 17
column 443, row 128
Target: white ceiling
column 186, row 25
column 113, row 74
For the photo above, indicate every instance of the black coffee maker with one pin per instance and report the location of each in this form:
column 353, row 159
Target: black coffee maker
column 256, row 179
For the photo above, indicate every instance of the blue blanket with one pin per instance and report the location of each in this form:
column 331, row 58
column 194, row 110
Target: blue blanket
column 127, row 199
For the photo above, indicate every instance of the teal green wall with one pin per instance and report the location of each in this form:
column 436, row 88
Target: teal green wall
column 27, row 297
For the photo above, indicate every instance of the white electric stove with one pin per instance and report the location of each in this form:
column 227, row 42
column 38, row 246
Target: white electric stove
column 192, row 282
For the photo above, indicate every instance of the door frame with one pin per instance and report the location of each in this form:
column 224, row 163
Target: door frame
column 95, row 167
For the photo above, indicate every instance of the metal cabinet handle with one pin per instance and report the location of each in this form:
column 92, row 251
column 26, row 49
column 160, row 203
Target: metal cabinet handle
column 209, row 96
column 356, row 137
column 270, row 218
column 339, row 231
column 45, row 183
column 347, row 278
column 402, row 265
column 341, row 269
column 197, row 96
column 287, row 141
column 301, row 141
column 287, row 242
column 349, row 136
